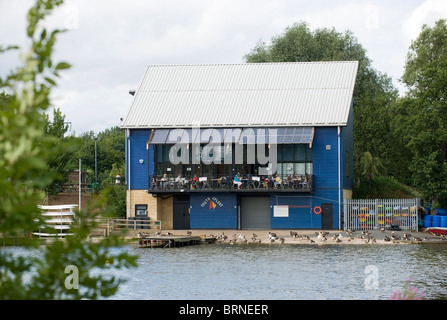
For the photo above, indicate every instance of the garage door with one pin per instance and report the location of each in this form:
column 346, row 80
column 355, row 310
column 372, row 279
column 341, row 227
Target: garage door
column 255, row 213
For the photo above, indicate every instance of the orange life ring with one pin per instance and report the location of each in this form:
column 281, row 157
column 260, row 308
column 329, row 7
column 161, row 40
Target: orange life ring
column 317, row 210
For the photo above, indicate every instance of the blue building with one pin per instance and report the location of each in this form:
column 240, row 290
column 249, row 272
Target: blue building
column 241, row 146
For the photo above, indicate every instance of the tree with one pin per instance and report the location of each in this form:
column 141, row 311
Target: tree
column 374, row 94
column 57, row 127
column 25, row 148
column 58, row 164
column 371, row 167
column 422, row 120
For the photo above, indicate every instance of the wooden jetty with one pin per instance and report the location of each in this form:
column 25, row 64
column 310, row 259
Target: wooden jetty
column 170, row 240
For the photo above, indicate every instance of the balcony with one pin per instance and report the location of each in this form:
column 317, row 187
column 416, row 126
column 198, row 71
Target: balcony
column 227, row 184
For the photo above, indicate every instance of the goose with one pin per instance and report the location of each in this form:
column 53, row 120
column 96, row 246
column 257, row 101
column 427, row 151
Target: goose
column 272, row 240
column 338, row 240
column 387, row 238
column 294, row 234
column 272, row 236
column 189, row 233
column 281, row 240
column 241, row 236
column 417, row 239
column 141, row 236
column 311, row 241
column 320, row 236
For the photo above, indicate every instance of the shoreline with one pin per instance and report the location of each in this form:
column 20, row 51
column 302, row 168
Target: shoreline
column 305, row 237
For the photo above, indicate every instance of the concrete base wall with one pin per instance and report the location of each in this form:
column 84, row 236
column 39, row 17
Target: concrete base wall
column 157, row 208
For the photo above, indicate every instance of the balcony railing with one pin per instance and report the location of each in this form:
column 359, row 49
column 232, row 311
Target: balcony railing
column 302, row 183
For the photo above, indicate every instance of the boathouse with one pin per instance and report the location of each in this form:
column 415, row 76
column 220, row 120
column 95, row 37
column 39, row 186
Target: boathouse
column 241, row 146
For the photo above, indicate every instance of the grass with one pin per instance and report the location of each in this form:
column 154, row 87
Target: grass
column 384, row 188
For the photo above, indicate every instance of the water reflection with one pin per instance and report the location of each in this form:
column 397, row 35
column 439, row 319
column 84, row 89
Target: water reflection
column 284, row 272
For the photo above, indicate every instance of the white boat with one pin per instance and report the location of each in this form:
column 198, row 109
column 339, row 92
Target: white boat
column 58, row 220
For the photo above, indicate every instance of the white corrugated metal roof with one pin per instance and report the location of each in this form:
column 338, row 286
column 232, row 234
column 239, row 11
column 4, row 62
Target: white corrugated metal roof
column 252, row 94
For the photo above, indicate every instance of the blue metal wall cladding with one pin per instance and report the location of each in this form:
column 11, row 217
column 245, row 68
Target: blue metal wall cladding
column 213, row 210
column 301, row 215
column 139, row 172
column 325, row 169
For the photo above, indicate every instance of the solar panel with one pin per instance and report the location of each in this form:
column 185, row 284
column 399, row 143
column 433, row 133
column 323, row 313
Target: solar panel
column 179, row 136
column 282, row 135
column 160, row 136
column 294, row 135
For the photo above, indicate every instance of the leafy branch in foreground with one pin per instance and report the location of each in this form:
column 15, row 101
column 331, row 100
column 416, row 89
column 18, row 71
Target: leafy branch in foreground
column 25, row 149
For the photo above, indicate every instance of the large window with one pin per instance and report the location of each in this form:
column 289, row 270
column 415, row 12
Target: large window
column 291, row 158
column 294, row 158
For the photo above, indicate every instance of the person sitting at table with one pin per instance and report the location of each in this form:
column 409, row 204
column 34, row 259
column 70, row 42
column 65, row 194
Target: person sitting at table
column 270, row 182
column 289, row 182
column 194, row 180
column 154, row 182
column 237, row 180
column 164, row 181
column 178, row 181
column 277, row 181
column 250, row 182
column 296, row 180
column 306, row 180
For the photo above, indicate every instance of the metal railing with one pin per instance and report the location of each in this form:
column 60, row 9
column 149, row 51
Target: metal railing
column 137, row 224
column 260, row 183
column 374, row 214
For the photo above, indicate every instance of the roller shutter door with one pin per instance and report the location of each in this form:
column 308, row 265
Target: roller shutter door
column 255, row 213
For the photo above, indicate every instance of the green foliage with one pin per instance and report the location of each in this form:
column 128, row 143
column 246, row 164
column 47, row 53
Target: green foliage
column 109, row 150
column 421, row 121
column 371, row 167
column 57, row 127
column 26, row 149
column 374, row 94
column 383, row 188
column 114, row 198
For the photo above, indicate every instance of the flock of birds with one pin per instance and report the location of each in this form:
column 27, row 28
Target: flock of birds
column 320, row 237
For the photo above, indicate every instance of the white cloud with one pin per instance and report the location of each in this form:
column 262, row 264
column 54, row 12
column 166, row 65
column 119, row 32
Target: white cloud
column 110, row 43
column 426, row 13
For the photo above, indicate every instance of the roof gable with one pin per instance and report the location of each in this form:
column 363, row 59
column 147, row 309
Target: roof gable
column 234, row 95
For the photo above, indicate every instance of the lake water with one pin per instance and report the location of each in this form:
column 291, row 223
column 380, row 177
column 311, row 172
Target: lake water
column 281, row 272
column 284, row 272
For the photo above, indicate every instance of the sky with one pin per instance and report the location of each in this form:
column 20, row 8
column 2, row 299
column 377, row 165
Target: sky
column 111, row 43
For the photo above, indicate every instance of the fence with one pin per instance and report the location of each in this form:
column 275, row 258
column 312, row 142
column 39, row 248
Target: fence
column 137, row 223
column 365, row 214
column 104, row 226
